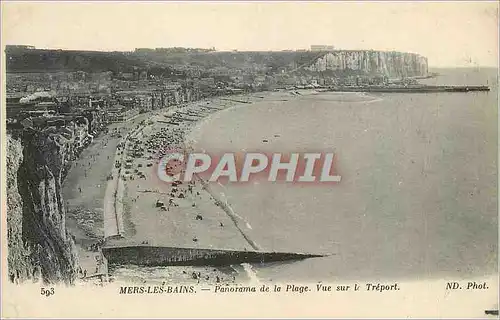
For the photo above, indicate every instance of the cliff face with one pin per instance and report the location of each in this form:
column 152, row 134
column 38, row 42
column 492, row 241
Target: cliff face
column 19, row 257
column 39, row 245
column 390, row 64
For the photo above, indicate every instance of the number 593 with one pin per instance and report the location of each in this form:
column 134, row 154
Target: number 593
column 47, row 292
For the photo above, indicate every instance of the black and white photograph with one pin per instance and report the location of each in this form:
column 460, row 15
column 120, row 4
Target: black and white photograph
column 328, row 159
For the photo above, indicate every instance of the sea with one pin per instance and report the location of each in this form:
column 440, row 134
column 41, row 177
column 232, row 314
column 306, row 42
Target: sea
column 418, row 195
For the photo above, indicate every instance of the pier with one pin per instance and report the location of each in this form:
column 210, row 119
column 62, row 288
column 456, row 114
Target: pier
column 407, row 89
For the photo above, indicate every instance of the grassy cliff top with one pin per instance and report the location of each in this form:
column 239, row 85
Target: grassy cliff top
column 47, row 60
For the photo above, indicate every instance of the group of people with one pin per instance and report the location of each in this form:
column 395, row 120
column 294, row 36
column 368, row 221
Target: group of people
column 95, row 247
column 197, row 276
column 82, row 272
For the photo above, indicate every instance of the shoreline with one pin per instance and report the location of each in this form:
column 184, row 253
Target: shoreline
column 125, row 203
column 197, row 197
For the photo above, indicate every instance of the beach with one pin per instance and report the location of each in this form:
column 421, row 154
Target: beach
column 113, row 192
column 415, row 172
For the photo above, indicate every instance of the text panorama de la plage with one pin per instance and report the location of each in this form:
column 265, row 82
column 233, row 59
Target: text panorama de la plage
column 289, row 288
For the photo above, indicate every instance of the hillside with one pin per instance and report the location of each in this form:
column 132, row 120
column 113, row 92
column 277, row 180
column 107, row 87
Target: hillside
column 360, row 62
column 68, row 60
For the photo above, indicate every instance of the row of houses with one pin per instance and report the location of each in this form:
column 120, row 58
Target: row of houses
column 120, row 113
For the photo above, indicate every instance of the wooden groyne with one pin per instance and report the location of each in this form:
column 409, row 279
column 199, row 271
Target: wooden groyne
column 145, row 255
column 168, row 122
column 234, row 100
column 178, row 118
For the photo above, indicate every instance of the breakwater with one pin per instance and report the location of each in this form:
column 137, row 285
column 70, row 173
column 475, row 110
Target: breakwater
column 144, row 255
column 409, row 89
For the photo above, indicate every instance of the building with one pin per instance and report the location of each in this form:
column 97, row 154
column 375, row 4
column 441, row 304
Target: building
column 321, row 47
column 82, row 138
column 144, row 102
column 15, row 110
column 207, row 82
column 18, row 47
column 121, row 114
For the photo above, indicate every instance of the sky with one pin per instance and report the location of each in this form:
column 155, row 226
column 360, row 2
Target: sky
column 449, row 34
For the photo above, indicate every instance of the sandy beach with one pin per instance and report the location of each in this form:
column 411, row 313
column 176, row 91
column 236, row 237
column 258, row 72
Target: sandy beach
column 113, row 193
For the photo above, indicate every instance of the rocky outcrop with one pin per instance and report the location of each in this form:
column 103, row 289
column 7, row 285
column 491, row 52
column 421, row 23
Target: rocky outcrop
column 39, row 245
column 390, row 64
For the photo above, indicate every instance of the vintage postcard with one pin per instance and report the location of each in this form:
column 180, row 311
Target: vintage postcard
column 249, row 159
